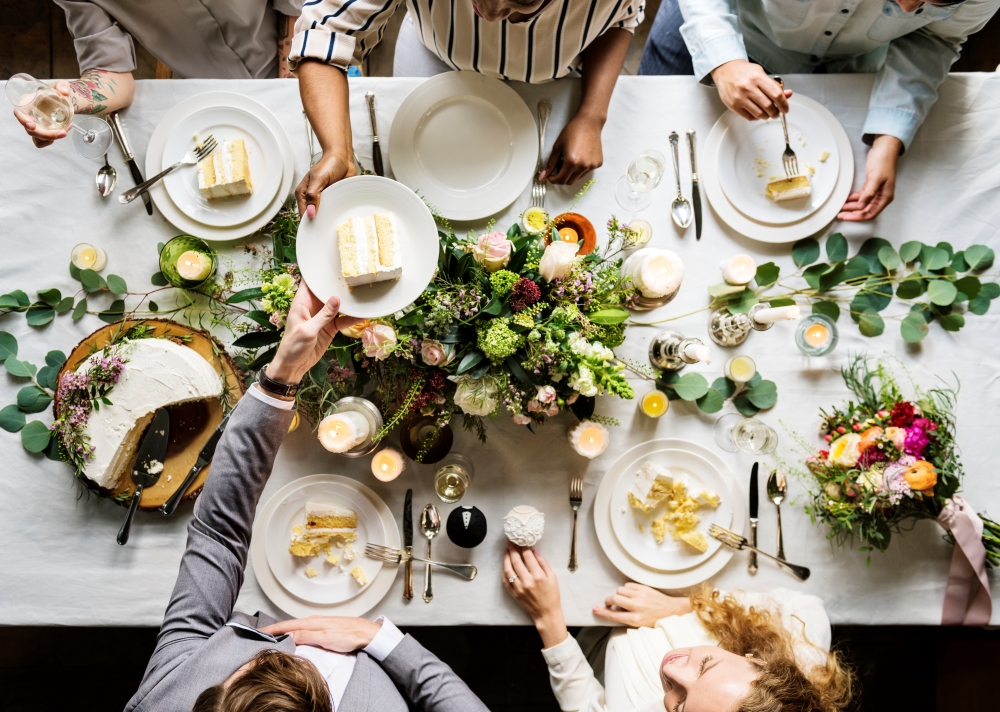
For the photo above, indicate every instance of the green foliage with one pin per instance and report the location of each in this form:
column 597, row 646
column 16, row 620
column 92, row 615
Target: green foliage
column 12, row 418
column 754, row 396
column 805, row 252
column 767, row 274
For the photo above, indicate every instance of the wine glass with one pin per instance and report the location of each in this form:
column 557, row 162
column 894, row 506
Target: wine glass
column 643, row 175
column 736, row 433
column 54, row 112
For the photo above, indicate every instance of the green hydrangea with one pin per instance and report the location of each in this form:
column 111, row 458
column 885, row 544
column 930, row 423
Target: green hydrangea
column 503, row 282
column 498, row 340
column 278, row 293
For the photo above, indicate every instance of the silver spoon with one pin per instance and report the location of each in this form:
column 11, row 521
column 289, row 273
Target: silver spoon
column 680, row 209
column 777, row 490
column 430, row 523
column 106, row 178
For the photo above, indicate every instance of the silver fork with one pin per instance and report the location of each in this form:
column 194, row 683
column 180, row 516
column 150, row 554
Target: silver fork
column 538, row 186
column 788, row 160
column 395, row 556
column 575, row 500
column 736, row 541
column 190, row 158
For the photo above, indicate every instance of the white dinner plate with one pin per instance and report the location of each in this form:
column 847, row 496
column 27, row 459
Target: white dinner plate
column 224, row 123
column 331, row 584
column 672, row 580
column 297, row 607
column 466, row 142
column 750, row 157
column 671, row 555
column 154, row 159
column 319, row 253
column 765, row 232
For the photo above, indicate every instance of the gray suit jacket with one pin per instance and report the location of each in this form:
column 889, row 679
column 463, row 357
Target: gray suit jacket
column 202, row 641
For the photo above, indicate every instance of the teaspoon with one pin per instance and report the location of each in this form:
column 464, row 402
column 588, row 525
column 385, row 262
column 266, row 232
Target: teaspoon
column 430, row 523
column 777, row 490
column 106, row 178
column 680, row 209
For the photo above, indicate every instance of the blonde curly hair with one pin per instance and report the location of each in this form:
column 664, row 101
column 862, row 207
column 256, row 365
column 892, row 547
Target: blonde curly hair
column 782, row 685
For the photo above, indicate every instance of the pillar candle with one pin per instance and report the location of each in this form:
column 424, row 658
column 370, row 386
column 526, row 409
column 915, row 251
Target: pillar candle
column 773, row 314
column 343, row 431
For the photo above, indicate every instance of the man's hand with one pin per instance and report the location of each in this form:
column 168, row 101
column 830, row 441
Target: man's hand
column 42, row 137
column 339, row 634
column 536, row 590
column 641, row 606
column 576, row 151
column 880, row 181
column 746, row 89
column 329, row 170
column 310, row 329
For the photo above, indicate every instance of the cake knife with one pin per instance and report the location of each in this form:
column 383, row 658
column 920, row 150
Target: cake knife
column 119, row 131
column 752, row 566
column 408, row 544
column 376, row 149
column 148, row 465
column 695, row 189
column 204, row 457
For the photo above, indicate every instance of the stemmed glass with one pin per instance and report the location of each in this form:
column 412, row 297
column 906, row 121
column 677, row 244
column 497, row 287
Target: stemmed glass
column 643, row 175
column 736, row 433
column 54, row 112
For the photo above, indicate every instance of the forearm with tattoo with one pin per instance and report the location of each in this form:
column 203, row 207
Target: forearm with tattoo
column 94, row 91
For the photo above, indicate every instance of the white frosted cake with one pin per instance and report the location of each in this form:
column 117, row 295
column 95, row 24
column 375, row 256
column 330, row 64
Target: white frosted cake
column 369, row 250
column 789, row 188
column 159, row 373
column 225, row 171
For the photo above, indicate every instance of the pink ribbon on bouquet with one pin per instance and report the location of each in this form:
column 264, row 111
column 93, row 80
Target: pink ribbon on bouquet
column 967, row 595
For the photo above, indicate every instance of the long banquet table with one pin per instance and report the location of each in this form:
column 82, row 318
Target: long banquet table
column 60, row 565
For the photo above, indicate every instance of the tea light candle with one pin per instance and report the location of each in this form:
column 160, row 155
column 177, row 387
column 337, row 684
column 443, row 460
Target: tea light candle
column 739, row 269
column 774, row 314
column 194, row 266
column 816, row 335
column 654, row 404
column 341, row 432
column 740, row 369
column 655, row 273
column 568, row 234
column 644, row 229
column 589, row 439
column 86, row 256
column 388, row 464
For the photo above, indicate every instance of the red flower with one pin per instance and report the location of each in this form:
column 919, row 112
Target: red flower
column 902, row 415
column 435, row 382
column 525, row 294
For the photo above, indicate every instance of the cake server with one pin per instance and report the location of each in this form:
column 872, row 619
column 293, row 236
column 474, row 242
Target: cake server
column 147, row 465
column 119, row 131
column 376, row 149
column 752, row 566
column 204, row 457
column 408, row 544
column 695, row 188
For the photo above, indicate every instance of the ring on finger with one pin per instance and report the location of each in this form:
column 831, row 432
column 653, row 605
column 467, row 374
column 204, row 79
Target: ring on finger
column 512, row 579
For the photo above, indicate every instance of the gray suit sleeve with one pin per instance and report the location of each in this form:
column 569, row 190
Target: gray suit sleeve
column 428, row 683
column 100, row 42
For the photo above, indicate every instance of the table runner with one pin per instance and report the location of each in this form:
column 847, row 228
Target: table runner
column 60, row 565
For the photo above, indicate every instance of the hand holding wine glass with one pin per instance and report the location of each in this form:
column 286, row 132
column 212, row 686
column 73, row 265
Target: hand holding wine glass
column 47, row 113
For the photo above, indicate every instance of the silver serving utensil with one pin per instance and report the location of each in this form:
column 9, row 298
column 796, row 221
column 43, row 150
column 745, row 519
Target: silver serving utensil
column 752, row 564
column 788, row 160
column 408, row 545
column 777, row 490
column 430, row 524
column 106, row 178
column 397, row 556
column 575, row 500
column 204, row 457
column 190, row 158
column 147, row 466
column 538, row 187
column 735, row 541
column 680, row 209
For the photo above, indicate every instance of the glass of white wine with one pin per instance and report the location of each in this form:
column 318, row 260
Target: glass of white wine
column 453, row 477
column 54, row 112
column 736, row 433
column 633, row 191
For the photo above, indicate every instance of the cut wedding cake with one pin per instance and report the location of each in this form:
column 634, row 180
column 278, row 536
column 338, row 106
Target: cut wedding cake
column 325, row 524
column 789, row 188
column 158, row 373
column 369, row 250
column 225, row 172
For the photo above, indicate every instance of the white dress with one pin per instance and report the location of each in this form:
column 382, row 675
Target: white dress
column 632, row 660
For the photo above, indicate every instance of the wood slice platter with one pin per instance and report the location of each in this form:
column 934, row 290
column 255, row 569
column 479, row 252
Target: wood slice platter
column 191, row 424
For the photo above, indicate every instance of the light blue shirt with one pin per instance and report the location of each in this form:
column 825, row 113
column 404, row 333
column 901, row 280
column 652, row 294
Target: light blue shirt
column 910, row 52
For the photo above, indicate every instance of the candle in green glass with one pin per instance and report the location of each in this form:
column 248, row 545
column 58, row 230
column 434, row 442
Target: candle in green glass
column 187, row 262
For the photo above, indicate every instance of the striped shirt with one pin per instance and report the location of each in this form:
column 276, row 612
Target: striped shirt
column 543, row 48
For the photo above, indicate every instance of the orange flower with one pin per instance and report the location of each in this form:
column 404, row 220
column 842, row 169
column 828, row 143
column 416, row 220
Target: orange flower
column 354, row 332
column 921, row 477
column 869, row 437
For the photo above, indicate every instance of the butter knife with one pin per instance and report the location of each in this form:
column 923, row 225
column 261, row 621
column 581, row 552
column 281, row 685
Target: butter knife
column 695, row 190
column 376, row 149
column 408, row 545
column 752, row 566
column 204, row 457
column 119, row 131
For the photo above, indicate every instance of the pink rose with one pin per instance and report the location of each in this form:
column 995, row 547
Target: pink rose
column 520, row 419
column 546, row 394
column 552, row 410
column 378, row 341
column 493, row 251
column 432, row 352
column 534, row 406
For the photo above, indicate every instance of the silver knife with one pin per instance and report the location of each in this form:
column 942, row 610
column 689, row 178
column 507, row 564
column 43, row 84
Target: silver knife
column 148, row 465
column 204, row 457
column 695, row 190
column 752, row 566
column 376, row 149
column 408, row 545
column 119, row 130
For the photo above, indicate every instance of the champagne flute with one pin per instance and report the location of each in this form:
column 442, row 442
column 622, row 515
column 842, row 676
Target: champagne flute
column 641, row 178
column 736, row 433
column 54, row 112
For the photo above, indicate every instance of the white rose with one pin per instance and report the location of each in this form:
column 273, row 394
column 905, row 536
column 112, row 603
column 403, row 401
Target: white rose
column 846, row 450
column 475, row 396
column 583, row 381
column 558, row 260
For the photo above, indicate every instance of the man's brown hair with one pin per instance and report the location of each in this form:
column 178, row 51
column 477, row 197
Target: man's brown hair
column 275, row 682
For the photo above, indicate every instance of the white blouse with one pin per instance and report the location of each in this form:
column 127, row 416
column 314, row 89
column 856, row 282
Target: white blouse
column 632, row 660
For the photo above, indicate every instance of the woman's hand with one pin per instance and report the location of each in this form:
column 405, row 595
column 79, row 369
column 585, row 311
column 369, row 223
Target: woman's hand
column 310, row 329
column 746, row 89
column 341, row 635
column 536, row 590
column 43, row 137
column 640, row 605
column 576, row 151
column 880, row 181
column 330, row 169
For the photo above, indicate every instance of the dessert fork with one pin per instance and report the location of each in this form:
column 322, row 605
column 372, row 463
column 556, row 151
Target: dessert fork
column 788, row 160
column 190, row 158
column 538, row 186
column 575, row 500
column 735, row 541
column 395, row 556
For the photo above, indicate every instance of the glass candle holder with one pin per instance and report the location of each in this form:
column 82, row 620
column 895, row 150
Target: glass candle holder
column 354, row 419
column 817, row 335
column 187, row 262
column 415, row 439
column 453, row 477
column 654, row 404
column 87, row 256
column 740, row 369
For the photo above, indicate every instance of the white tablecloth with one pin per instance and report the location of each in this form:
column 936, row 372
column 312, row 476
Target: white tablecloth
column 59, row 563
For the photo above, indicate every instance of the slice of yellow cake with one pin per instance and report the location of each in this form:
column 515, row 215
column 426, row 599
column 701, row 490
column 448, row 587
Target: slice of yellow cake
column 789, row 188
column 329, row 516
column 390, row 260
column 694, row 539
column 225, row 171
column 359, row 575
column 369, row 250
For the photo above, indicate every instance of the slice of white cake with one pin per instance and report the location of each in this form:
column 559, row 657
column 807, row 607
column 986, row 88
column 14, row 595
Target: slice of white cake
column 225, row 171
column 369, row 250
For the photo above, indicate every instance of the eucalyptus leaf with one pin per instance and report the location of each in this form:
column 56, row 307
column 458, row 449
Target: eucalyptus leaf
column 812, row 274
column 859, row 304
column 92, row 281
column 64, row 305
column 691, row 386
column 153, row 306
column 158, row 280
column 909, row 251
column 933, row 258
column 856, row 267
column 879, row 292
column 80, row 309
column 889, row 257
column 832, row 278
column 969, row 286
column 21, row 297
column 869, row 251
column 35, row 436
column 828, row 309
column 724, row 386
column 711, row 402
column 116, row 285
column 979, row 257
column 609, row 316
column 952, row 322
column 990, row 290
column 745, row 407
column 50, row 296
column 914, row 328
column 114, row 312
column 766, row 274
column 21, row 369
column 941, row 292
column 836, row 247
column 32, row 399
column 8, row 345
column 245, row 295
column 805, row 252
column 12, row 419
column 257, row 339
column 74, row 271
column 39, row 314
column 781, row 302
column 870, row 323
column 717, row 291
column 55, row 359
column 980, row 305
column 159, row 247
column 52, row 451
column 946, row 246
column 741, row 303
column 47, row 377
column 911, row 287
column 763, row 395
column 8, row 301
